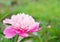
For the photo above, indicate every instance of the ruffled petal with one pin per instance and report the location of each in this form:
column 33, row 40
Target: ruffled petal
column 9, row 32
column 34, row 27
column 8, row 21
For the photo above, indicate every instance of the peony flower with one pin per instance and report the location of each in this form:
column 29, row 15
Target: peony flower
column 21, row 24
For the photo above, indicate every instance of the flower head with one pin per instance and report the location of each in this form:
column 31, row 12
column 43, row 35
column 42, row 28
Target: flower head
column 21, row 24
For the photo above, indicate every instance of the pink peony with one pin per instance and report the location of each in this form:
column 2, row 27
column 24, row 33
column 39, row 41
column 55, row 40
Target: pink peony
column 21, row 24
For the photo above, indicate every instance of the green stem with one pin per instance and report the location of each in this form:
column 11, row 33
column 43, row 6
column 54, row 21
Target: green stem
column 46, row 33
column 19, row 39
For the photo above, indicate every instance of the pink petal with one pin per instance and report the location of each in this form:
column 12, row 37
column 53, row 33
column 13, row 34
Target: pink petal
column 34, row 28
column 9, row 32
column 7, row 21
column 23, row 34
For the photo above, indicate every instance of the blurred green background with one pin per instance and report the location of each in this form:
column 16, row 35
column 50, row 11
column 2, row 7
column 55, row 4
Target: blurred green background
column 47, row 12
